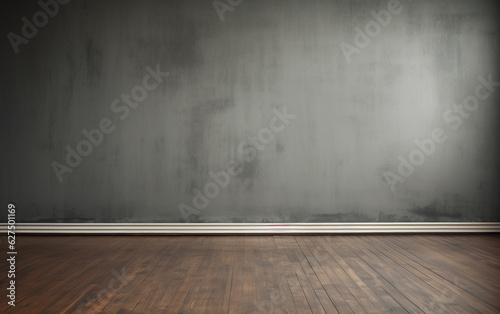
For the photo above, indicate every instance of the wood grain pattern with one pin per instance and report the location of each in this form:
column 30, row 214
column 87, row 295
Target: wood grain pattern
column 256, row 274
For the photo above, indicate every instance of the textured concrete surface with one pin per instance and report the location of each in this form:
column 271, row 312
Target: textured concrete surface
column 226, row 80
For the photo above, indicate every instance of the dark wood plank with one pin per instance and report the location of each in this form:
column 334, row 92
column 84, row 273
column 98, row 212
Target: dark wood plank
column 394, row 274
column 256, row 274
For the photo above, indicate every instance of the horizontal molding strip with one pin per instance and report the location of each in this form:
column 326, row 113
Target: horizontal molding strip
column 252, row 228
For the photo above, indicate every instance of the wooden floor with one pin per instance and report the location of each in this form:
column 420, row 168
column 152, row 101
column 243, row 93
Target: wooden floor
column 256, row 274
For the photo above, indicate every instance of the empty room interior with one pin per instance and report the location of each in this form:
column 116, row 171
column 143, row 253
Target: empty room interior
column 250, row 156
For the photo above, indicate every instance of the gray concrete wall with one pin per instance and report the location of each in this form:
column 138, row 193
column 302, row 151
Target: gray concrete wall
column 346, row 149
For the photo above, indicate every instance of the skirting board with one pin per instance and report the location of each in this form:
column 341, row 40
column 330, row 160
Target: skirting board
column 253, row 228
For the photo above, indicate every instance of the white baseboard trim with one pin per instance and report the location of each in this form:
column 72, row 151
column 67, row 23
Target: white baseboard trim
column 253, row 228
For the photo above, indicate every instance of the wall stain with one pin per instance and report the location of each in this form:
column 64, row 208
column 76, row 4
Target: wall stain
column 341, row 217
column 279, row 148
column 249, row 173
column 431, row 212
column 200, row 121
column 93, row 55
